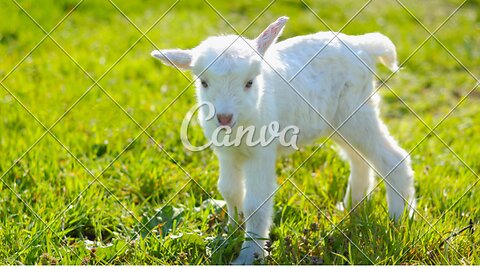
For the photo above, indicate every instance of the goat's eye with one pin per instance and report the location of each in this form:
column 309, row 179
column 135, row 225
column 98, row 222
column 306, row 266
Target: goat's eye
column 249, row 84
column 204, row 84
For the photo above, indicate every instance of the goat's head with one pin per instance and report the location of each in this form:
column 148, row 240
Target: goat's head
column 226, row 71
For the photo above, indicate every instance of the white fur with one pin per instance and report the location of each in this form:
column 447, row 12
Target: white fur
column 335, row 83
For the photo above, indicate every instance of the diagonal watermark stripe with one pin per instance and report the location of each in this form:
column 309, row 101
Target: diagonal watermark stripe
column 146, row 37
column 326, row 217
column 407, row 59
column 133, row 237
column 437, row 40
column 403, row 63
column 378, row 77
column 67, row 149
column 415, row 114
column 463, row 66
column 431, row 131
column 202, row 72
column 41, row 40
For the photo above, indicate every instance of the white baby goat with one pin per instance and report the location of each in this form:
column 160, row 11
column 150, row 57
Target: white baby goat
column 255, row 82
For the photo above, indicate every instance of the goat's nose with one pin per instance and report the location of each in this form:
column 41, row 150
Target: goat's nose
column 225, row 119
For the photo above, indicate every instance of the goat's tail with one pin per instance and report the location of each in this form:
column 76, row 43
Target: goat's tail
column 381, row 47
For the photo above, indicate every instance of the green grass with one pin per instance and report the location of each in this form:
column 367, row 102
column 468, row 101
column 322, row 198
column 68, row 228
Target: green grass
column 44, row 221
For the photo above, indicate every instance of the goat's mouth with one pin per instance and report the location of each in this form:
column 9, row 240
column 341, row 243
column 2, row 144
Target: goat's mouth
column 231, row 125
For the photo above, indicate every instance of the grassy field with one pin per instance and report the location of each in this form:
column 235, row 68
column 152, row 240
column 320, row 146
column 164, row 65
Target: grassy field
column 81, row 183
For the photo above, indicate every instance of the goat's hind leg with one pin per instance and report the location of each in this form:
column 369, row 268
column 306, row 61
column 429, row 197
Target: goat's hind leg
column 361, row 180
column 370, row 137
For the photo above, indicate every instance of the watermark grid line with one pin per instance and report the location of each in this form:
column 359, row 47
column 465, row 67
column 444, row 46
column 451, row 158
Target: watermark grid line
column 431, row 131
column 437, row 40
column 110, row 98
column 41, row 41
column 145, row 36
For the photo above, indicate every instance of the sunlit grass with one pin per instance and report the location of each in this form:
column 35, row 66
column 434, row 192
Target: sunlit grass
column 54, row 210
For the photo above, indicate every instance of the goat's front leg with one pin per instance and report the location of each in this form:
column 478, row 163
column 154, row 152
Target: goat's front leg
column 260, row 183
column 231, row 186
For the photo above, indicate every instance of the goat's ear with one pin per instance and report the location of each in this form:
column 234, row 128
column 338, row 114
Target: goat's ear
column 269, row 36
column 175, row 58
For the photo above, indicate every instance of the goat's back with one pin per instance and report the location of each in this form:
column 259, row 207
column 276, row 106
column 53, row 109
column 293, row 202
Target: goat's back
column 312, row 78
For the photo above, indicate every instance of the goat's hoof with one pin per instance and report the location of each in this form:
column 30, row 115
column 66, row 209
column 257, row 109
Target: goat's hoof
column 243, row 259
column 248, row 256
column 340, row 206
